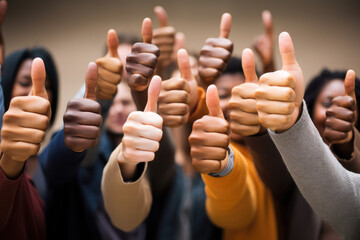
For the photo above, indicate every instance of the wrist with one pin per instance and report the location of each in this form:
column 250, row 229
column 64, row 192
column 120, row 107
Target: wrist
column 10, row 167
column 127, row 168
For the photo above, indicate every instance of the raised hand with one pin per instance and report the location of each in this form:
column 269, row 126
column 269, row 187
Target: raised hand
column 26, row 121
column 279, row 96
column 110, row 69
column 342, row 114
column 141, row 63
column 209, row 139
column 243, row 113
column 264, row 44
column 82, row 118
column 142, row 133
column 163, row 37
column 216, row 53
column 178, row 95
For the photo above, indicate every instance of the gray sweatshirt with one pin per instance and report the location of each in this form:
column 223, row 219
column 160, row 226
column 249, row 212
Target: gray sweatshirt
column 331, row 190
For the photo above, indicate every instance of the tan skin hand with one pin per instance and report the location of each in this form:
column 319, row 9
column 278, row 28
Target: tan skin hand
column 25, row 124
column 110, row 69
column 209, row 139
column 243, row 113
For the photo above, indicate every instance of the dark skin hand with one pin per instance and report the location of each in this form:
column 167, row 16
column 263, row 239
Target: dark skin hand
column 82, row 119
column 341, row 118
column 216, row 53
column 141, row 63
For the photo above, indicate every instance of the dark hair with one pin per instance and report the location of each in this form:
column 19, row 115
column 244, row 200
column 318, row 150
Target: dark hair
column 317, row 84
column 11, row 67
column 234, row 66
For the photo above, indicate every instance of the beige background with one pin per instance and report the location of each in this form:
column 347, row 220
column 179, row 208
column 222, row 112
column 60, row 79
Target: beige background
column 325, row 33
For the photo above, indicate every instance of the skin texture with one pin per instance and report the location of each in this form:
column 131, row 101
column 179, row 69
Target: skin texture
column 279, row 95
column 25, row 123
column 141, row 63
column 142, row 133
column 82, row 118
column 264, row 44
column 178, row 96
column 243, row 113
column 110, row 69
column 216, row 53
column 23, row 82
column 209, row 139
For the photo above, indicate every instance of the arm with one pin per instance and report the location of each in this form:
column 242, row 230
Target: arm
column 332, row 191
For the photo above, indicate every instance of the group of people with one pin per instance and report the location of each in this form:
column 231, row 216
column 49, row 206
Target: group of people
column 160, row 143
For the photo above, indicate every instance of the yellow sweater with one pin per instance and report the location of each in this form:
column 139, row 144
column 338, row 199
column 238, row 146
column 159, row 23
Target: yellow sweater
column 239, row 203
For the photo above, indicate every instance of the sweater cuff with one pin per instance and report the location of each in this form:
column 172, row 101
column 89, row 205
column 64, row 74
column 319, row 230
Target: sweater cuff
column 229, row 166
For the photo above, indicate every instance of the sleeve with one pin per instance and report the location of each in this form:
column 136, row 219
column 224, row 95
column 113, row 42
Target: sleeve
column 231, row 200
column 331, row 190
column 60, row 164
column 201, row 109
column 127, row 203
column 352, row 164
column 2, row 107
column 269, row 165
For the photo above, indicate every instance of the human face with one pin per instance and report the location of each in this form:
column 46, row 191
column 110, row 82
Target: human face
column 120, row 109
column 331, row 90
column 23, row 82
column 225, row 84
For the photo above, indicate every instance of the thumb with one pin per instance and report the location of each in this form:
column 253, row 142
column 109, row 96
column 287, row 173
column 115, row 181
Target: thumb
column 179, row 40
column 153, row 94
column 38, row 77
column 248, row 64
column 146, row 30
column 184, row 64
column 267, row 21
column 213, row 102
column 161, row 16
column 349, row 83
column 225, row 25
column 287, row 51
column 112, row 43
column 90, row 81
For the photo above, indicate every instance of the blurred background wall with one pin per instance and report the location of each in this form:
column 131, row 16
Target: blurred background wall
column 326, row 33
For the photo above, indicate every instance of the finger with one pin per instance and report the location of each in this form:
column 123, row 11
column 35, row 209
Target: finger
column 248, row 64
column 287, row 51
column 213, row 102
column 90, row 81
column 267, row 21
column 184, row 64
column 146, row 30
column 38, row 76
column 161, row 16
column 349, row 83
column 179, row 40
column 153, row 94
column 112, row 43
column 225, row 25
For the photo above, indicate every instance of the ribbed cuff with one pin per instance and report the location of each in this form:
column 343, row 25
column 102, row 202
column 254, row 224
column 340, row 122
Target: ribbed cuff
column 229, row 166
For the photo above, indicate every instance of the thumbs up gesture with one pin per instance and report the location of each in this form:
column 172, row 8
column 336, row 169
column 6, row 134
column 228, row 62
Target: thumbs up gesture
column 264, row 44
column 110, row 69
column 279, row 96
column 142, row 133
column 82, row 118
column 216, row 53
column 342, row 115
column 243, row 113
column 141, row 63
column 178, row 95
column 27, row 119
column 209, row 139
column 163, row 37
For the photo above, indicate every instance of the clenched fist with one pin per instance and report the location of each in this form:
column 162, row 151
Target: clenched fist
column 27, row 119
column 243, row 113
column 209, row 139
column 342, row 116
column 279, row 96
column 141, row 63
column 82, row 118
column 216, row 53
column 178, row 96
column 110, row 69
